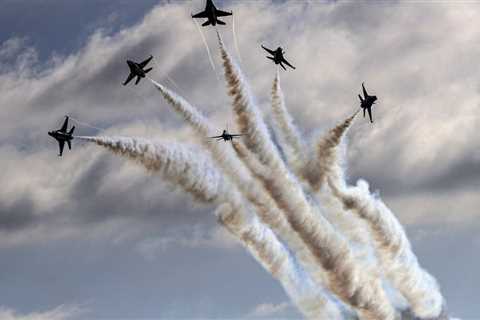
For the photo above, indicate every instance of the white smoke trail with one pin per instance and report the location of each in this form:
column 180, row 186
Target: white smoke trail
column 206, row 47
column 174, row 162
column 390, row 241
column 186, row 110
column 274, row 257
column 347, row 278
column 285, row 129
column 393, row 249
column 265, row 206
column 169, row 79
column 326, row 154
column 300, row 159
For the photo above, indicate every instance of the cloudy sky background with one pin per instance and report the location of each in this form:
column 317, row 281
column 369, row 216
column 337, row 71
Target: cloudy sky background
column 92, row 235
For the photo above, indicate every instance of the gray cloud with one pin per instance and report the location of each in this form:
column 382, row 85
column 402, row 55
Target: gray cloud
column 17, row 215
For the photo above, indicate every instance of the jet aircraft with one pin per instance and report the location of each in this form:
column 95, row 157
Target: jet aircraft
column 62, row 136
column 225, row 136
column 367, row 102
column 211, row 13
column 137, row 70
column 277, row 57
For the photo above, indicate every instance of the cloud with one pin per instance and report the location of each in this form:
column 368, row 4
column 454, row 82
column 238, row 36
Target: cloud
column 58, row 313
column 421, row 151
column 269, row 310
column 196, row 236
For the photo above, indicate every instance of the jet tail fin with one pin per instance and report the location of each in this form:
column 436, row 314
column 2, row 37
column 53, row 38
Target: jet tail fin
column 71, row 130
column 206, row 23
column 221, row 22
column 69, row 145
column 148, row 70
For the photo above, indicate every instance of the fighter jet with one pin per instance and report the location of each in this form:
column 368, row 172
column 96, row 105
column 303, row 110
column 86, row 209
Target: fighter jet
column 277, row 57
column 137, row 70
column 212, row 14
column 62, row 136
column 225, row 136
column 367, row 102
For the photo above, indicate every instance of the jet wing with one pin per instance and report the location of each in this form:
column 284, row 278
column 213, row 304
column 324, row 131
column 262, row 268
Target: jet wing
column 370, row 114
column 215, row 137
column 365, row 94
column 64, row 126
column 237, row 135
column 143, row 64
column 202, row 14
column 220, row 13
column 61, row 144
column 268, row 50
column 130, row 77
column 288, row 64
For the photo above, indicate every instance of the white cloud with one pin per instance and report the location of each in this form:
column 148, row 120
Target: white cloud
column 196, row 236
column 269, row 310
column 58, row 313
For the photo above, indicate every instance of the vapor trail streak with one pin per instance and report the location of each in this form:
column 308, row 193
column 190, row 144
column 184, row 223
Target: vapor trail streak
column 235, row 41
column 206, row 46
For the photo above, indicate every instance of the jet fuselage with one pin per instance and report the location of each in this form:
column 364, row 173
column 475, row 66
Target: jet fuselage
column 278, row 56
column 60, row 136
column 368, row 101
column 136, row 69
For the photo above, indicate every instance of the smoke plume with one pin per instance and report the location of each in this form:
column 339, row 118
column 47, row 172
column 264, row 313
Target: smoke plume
column 346, row 277
column 291, row 214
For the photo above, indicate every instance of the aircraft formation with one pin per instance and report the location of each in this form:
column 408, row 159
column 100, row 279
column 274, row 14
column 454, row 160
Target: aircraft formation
column 138, row 71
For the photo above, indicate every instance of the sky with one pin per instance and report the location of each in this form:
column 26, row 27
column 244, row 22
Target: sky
column 90, row 235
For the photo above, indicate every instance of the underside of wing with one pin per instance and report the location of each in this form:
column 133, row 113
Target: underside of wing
column 143, row 64
column 268, row 50
column 370, row 114
column 130, row 77
column 215, row 137
column 221, row 13
column 365, row 94
column 202, row 14
column 64, row 125
column 288, row 64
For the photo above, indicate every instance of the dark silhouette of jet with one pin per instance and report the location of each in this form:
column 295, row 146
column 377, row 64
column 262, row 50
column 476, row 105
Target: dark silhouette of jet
column 277, row 57
column 211, row 13
column 367, row 102
column 62, row 136
column 225, row 136
column 137, row 70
